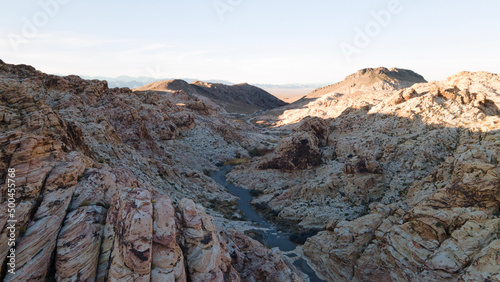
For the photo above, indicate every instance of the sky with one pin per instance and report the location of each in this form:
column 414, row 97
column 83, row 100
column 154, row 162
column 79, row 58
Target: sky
column 254, row 41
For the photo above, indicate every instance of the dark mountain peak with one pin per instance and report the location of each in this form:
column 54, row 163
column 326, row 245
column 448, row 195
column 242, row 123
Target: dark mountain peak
column 200, row 83
column 238, row 98
column 175, row 84
column 243, row 84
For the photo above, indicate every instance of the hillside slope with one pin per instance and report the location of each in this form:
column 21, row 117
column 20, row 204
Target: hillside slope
column 371, row 79
column 365, row 87
column 238, row 98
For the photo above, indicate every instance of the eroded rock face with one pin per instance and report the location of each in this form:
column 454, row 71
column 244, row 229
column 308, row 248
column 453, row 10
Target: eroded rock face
column 255, row 262
column 339, row 249
column 302, row 149
column 36, row 246
column 80, row 238
column 206, row 255
column 458, row 197
column 132, row 250
column 168, row 258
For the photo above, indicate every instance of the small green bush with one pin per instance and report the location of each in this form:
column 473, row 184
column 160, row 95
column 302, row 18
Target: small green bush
column 84, row 204
column 235, row 162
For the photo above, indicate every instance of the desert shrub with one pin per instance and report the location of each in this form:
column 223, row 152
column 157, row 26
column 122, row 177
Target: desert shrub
column 84, row 204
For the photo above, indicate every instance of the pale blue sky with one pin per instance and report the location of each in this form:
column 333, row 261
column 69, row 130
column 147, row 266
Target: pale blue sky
column 255, row 41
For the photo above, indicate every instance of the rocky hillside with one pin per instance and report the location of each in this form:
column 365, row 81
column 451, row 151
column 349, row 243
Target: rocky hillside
column 365, row 87
column 405, row 184
column 371, row 79
column 107, row 182
column 238, row 98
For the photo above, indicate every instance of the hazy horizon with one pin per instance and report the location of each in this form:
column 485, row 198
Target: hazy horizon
column 256, row 42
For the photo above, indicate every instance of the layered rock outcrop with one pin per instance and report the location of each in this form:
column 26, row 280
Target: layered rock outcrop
column 302, row 149
column 250, row 257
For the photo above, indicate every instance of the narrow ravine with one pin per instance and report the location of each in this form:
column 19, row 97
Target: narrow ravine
column 271, row 237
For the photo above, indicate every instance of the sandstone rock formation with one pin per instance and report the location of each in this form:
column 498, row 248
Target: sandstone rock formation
column 250, row 257
column 302, row 149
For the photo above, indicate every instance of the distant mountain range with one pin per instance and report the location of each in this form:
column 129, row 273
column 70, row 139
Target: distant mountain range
column 136, row 82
